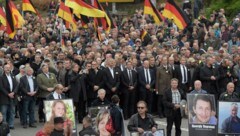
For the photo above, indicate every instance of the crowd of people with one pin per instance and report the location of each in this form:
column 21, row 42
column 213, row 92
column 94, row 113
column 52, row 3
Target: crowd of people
column 150, row 74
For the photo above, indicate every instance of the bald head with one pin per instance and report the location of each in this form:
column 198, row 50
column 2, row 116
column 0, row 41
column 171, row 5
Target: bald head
column 230, row 87
column 197, row 85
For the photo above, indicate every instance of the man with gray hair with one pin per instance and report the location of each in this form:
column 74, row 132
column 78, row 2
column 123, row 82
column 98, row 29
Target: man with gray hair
column 101, row 100
column 232, row 123
column 29, row 88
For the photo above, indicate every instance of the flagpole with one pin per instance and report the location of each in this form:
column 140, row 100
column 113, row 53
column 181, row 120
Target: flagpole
column 23, row 25
column 61, row 27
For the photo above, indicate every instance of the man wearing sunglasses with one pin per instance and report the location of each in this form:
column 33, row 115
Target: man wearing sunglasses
column 142, row 121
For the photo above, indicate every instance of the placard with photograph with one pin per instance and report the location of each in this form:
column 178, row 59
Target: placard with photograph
column 229, row 121
column 61, row 108
column 201, row 115
column 159, row 132
column 93, row 111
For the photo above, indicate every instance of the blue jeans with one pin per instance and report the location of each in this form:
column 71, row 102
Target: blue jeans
column 8, row 112
column 28, row 108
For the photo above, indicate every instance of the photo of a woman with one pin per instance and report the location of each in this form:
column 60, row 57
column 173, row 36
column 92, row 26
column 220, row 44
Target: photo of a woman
column 61, row 108
column 101, row 122
column 58, row 109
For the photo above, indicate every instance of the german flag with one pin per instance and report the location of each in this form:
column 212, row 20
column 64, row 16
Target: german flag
column 172, row 11
column 84, row 19
column 65, row 13
column 145, row 37
column 84, row 8
column 150, row 9
column 105, row 22
column 2, row 19
column 143, row 33
column 14, row 18
column 28, row 6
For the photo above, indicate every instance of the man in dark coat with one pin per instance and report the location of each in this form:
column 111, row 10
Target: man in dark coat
column 4, row 128
column 209, row 76
column 182, row 73
column 117, row 116
column 111, row 78
column 146, row 79
column 129, row 84
column 172, row 99
column 77, row 91
column 29, row 88
column 95, row 82
column 87, row 128
column 57, row 93
column 8, row 98
column 229, row 94
column 58, row 127
column 101, row 100
column 225, row 75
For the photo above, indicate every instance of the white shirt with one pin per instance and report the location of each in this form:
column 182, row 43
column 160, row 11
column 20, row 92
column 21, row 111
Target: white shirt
column 56, row 95
column 30, row 82
column 112, row 72
column 122, row 67
column 47, row 74
column 10, row 82
column 149, row 77
column 183, row 70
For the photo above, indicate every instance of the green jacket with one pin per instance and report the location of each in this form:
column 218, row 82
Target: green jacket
column 44, row 82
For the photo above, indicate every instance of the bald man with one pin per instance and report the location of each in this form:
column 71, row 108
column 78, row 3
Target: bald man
column 198, row 88
column 230, row 95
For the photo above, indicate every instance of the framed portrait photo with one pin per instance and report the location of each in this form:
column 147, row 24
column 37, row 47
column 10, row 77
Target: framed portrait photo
column 61, row 108
column 159, row 132
column 229, row 121
column 202, row 115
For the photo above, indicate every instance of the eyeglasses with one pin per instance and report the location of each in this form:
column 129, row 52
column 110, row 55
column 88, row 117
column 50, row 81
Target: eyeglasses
column 140, row 107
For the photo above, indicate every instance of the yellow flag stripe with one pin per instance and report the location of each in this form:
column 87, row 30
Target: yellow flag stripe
column 149, row 10
column 168, row 14
column 91, row 12
column 28, row 7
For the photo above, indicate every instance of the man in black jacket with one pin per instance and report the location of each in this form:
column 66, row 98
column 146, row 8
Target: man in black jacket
column 95, row 82
column 142, row 121
column 117, row 116
column 230, row 95
column 8, row 91
column 58, row 127
column 129, row 85
column 101, row 100
column 77, row 91
column 57, row 93
column 87, row 128
column 172, row 99
column 29, row 88
column 111, row 78
column 4, row 128
column 209, row 76
column 146, row 79
column 182, row 73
